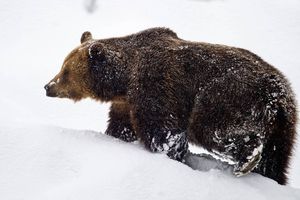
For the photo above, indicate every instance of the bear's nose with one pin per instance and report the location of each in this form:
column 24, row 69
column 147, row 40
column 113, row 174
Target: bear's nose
column 50, row 91
column 46, row 87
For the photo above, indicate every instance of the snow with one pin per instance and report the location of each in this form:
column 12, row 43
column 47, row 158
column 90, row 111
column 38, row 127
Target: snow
column 47, row 162
column 53, row 149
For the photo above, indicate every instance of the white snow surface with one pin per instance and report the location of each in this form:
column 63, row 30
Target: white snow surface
column 53, row 149
column 46, row 162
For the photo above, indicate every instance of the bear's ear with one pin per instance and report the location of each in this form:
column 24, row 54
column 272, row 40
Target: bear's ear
column 85, row 37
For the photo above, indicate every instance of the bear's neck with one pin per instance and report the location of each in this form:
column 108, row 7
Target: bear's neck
column 110, row 82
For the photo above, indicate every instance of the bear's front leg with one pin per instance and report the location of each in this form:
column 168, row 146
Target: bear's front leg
column 171, row 141
column 157, row 126
column 119, row 124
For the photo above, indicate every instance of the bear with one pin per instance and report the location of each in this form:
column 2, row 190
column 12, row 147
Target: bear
column 168, row 92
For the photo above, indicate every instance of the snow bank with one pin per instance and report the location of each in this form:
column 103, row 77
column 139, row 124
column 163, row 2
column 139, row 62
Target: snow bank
column 46, row 162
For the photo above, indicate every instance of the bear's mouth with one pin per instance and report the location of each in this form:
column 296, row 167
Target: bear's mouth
column 50, row 93
column 70, row 95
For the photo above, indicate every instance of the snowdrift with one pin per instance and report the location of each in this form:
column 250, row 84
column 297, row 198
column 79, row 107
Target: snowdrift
column 46, row 162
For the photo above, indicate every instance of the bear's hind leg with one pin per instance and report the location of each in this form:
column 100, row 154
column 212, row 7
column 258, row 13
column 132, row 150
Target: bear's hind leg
column 119, row 124
column 274, row 160
column 244, row 150
column 278, row 148
column 241, row 145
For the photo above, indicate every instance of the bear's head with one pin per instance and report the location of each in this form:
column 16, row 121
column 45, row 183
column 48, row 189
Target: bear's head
column 91, row 70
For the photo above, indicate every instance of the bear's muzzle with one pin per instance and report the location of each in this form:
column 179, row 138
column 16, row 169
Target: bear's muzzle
column 50, row 92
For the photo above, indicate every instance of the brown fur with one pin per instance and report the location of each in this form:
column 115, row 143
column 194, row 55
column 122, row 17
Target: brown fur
column 167, row 91
column 72, row 81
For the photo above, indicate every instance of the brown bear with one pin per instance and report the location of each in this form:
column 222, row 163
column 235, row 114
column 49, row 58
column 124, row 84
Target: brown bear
column 167, row 92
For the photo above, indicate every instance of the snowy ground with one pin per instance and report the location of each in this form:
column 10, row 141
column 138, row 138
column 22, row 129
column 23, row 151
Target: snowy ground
column 44, row 152
column 46, row 162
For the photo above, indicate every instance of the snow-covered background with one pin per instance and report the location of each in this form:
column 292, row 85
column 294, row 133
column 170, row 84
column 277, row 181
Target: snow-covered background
column 53, row 149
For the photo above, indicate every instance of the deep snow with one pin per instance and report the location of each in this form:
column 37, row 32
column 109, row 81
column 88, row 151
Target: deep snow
column 39, row 160
column 46, row 162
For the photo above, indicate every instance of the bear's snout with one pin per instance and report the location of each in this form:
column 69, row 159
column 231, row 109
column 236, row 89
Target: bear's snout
column 50, row 91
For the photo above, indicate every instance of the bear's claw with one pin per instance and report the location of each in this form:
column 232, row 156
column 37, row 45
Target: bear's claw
column 246, row 168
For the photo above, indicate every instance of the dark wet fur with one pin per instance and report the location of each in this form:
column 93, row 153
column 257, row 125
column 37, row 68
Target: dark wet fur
column 167, row 91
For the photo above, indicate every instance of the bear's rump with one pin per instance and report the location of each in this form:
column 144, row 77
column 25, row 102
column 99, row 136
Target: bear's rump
column 224, row 109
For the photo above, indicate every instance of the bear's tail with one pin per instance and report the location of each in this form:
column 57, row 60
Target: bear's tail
column 278, row 148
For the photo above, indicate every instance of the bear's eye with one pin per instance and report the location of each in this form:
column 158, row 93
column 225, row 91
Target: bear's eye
column 65, row 76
